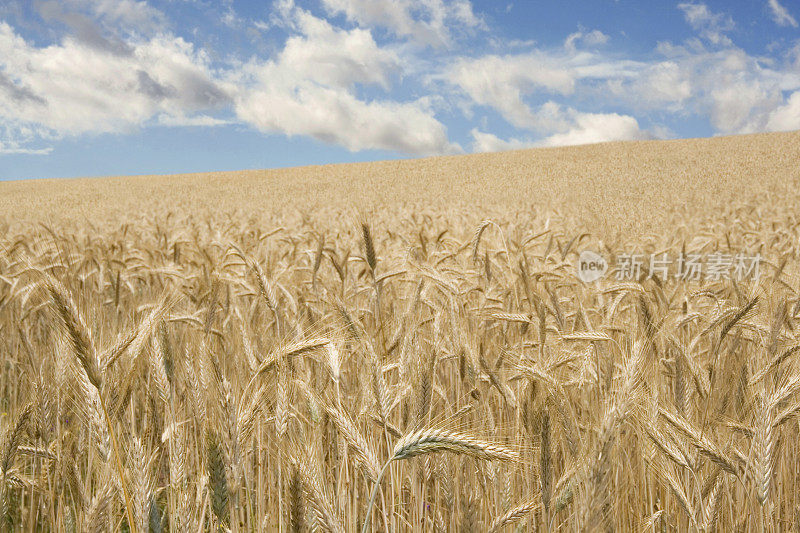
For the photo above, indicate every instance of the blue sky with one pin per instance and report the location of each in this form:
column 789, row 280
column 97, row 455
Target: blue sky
column 109, row 87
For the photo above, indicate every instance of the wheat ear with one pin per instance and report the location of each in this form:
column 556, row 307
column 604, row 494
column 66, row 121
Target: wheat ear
column 432, row 440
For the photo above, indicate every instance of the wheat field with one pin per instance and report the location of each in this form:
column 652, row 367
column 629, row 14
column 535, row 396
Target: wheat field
column 406, row 346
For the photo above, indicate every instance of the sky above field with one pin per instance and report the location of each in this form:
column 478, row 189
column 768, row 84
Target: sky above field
column 108, row 87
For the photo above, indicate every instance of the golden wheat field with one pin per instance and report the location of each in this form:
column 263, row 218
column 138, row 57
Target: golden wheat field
column 406, row 345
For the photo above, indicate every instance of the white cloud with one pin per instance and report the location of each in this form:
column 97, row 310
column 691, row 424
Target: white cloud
column 93, row 85
column 427, row 22
column 507, row 83
column 712, row 26
column 781, row 15
column 501, row 82
column 310, row 89
column 120, row 16
column 581, row 128
column 597, row 127
column 177, row 120
column 261, row 25
column 336, row 116
column 336, row 57
column 488, row 142
column 114, row 66
column 73, row 87
column 592, row 38
column 736, row 91
column 787, row 117
column 16, row 138
column 10, row 148
column 741, row 107
column 661, row 85
column 591, row 66
column 130, row 13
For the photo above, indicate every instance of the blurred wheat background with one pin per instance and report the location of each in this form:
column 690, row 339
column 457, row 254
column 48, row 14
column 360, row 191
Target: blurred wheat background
column 404, row 346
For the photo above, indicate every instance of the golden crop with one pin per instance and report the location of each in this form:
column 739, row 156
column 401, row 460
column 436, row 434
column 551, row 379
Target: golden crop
column 405, row 346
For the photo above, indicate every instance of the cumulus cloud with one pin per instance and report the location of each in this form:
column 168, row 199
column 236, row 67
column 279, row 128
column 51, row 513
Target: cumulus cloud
column 502, row 82
column 579, row 128
column 14, row 93
column 14, row 148
column 429, row 22
column 95, row 80
column 309, row 89
column 781, row 15
column 592, row 38
column 591, row 128
column 336, row 57
column 118, row 16
column 488, row 142
column 18, row 138
column 199, row 120
column 375, row 74
column 74, row 87
column 712, row 26
column 660, row 85
column 336, row 116
column 786, row 117
column 737, row 92
column 741, row 107
column 508, row 83
column 82, row 28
